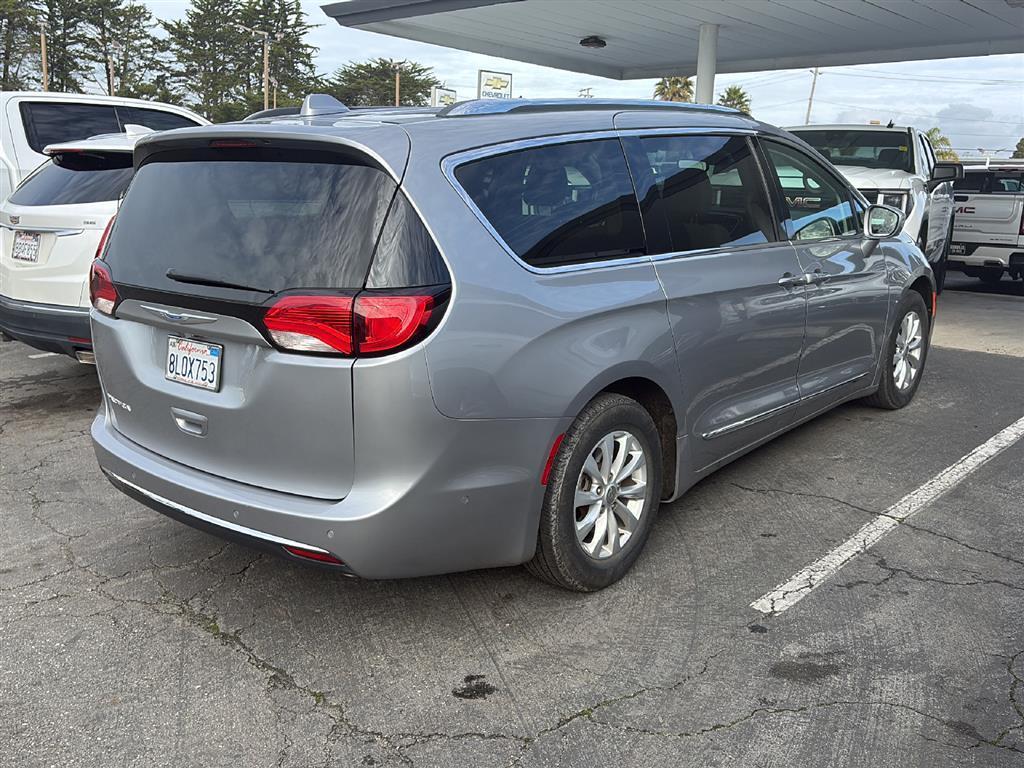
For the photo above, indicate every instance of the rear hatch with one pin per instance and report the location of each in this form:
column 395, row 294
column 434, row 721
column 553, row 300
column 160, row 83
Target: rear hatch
column 53, row 223
column 988, row 207
column 207, row 239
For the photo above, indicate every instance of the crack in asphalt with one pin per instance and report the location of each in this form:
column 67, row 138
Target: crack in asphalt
column 893, row 572
column 805, row 494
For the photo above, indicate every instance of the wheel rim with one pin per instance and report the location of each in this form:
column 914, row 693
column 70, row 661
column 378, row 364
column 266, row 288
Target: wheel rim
column 906, row 363
column 610, row 494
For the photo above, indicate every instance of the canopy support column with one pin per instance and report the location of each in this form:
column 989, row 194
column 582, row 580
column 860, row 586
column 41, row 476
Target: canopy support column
column 707, row 62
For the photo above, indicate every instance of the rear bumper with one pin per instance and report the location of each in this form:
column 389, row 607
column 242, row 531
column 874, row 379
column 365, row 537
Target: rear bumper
column 987, row 256
column 472, row 504
column 46, row 326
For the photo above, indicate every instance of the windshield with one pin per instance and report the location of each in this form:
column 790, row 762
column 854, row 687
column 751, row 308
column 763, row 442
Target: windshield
column 884, row 150
column 79, row 177
column 280, row 220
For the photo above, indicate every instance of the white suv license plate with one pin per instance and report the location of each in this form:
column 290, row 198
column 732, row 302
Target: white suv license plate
column 957, row 249
column 26, row 247
column 195, row 363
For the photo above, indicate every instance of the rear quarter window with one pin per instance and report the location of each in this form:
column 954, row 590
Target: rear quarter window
column 75, row 178
column 59, row 122
column 559, row 204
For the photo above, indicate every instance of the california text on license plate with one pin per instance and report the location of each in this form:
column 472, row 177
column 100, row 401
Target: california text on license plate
column 195, row 363
column 26, row 247
column 957, row 249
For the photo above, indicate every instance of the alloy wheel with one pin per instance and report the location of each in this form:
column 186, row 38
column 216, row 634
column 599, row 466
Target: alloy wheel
column 610, row 494
column 907, row 359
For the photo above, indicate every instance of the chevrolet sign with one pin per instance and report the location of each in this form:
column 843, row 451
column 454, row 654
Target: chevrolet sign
column 494, row 85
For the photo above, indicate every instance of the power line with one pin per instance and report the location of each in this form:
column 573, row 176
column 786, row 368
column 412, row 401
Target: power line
column 936, row 78
column 923, row 80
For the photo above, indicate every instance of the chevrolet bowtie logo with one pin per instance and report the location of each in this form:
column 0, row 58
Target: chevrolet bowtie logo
column 498, row 83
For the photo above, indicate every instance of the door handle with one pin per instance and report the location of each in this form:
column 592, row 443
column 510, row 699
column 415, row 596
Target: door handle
column 789, row 280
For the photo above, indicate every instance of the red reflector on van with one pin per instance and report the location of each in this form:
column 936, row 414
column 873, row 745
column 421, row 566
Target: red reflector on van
column 102, row 292
column 546, row 474
column 313, row 554
column 388, row 322
column 312, row 323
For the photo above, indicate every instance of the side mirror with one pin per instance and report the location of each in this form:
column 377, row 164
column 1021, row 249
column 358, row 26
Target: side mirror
column 943, row 172
column 882, row 221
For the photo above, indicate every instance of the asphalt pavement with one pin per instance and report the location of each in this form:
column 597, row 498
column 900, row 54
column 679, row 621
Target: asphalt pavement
column 127, row 639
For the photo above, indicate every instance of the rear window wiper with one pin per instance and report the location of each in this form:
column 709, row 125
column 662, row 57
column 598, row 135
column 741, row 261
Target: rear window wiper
column 212, row 282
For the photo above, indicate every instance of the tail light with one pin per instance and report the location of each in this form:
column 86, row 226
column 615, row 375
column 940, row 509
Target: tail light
column 367, row 324
column 102, row 292
column 104, row 237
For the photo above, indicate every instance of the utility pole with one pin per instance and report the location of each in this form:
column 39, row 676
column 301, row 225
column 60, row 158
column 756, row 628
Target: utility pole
column 42, row 51
column 398, row 81
column 810, row 99
column 266, row 59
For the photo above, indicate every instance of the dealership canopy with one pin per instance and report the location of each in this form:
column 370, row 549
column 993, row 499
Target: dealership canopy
column 626, row 39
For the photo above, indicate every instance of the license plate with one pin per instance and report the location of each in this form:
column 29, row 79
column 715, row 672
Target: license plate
column 26, row 247
column 195, row 363
column 957, row 249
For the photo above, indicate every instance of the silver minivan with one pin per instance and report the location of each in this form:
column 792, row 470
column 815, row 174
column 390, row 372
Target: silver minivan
column 406, row 342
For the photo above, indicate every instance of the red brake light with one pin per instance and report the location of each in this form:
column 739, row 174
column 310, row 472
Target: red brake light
column 102, row 292
column 367, row 324
column 388, row 322
column 232, row 143
column 313, row 554
column 104, row 237
column 312, row 323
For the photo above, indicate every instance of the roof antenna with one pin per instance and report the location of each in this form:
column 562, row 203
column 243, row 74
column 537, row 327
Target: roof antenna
column 891, row 124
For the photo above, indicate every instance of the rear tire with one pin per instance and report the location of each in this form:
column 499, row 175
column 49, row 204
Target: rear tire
column 607, row 472
column 904, row 355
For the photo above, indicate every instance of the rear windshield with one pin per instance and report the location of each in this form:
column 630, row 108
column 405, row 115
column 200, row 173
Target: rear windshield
column 991, row 182
column 883, row 150
column 77, row 178
column 282, row 220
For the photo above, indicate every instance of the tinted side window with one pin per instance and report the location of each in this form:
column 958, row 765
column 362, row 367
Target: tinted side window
column 819, row 205
column 406, row 255
column 707, row 189
column 156, row 119
column 559, row 204
column 58, row 122
column 76, row 178
column 971, row 182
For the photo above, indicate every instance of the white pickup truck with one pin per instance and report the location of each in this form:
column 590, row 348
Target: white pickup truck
column 988, row 220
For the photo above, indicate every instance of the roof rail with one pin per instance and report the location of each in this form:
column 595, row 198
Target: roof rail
column 476, row 107
column 275, row 112
column 321, row 104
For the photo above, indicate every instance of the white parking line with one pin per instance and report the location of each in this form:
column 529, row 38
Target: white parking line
column 42, row 354
column 805, row 581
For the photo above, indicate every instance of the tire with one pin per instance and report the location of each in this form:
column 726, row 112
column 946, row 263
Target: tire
column 894, row 391
column 991, row 275
column 561, row 557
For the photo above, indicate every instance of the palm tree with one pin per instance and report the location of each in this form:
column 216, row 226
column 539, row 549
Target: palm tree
column 735, row 97
column 941, row 144
column 674, row 89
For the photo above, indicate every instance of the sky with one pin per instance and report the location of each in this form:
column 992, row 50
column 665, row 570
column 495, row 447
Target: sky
column 977, row 102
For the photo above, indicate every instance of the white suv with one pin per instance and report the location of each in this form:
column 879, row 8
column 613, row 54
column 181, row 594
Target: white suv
column 895, row 166
column 31, row 121
column 50, row 229
column 988, row 231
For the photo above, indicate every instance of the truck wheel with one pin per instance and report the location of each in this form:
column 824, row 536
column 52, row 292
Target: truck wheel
column 603, row 492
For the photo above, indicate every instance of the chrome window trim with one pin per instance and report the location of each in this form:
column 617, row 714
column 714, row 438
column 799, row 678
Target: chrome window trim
column 451, row 163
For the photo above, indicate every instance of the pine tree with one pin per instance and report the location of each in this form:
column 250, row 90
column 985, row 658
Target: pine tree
column 291, row 57
column 67, row 43
column 19, row 44
column 207, row 46
column 129, row 60
column 372, row 83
